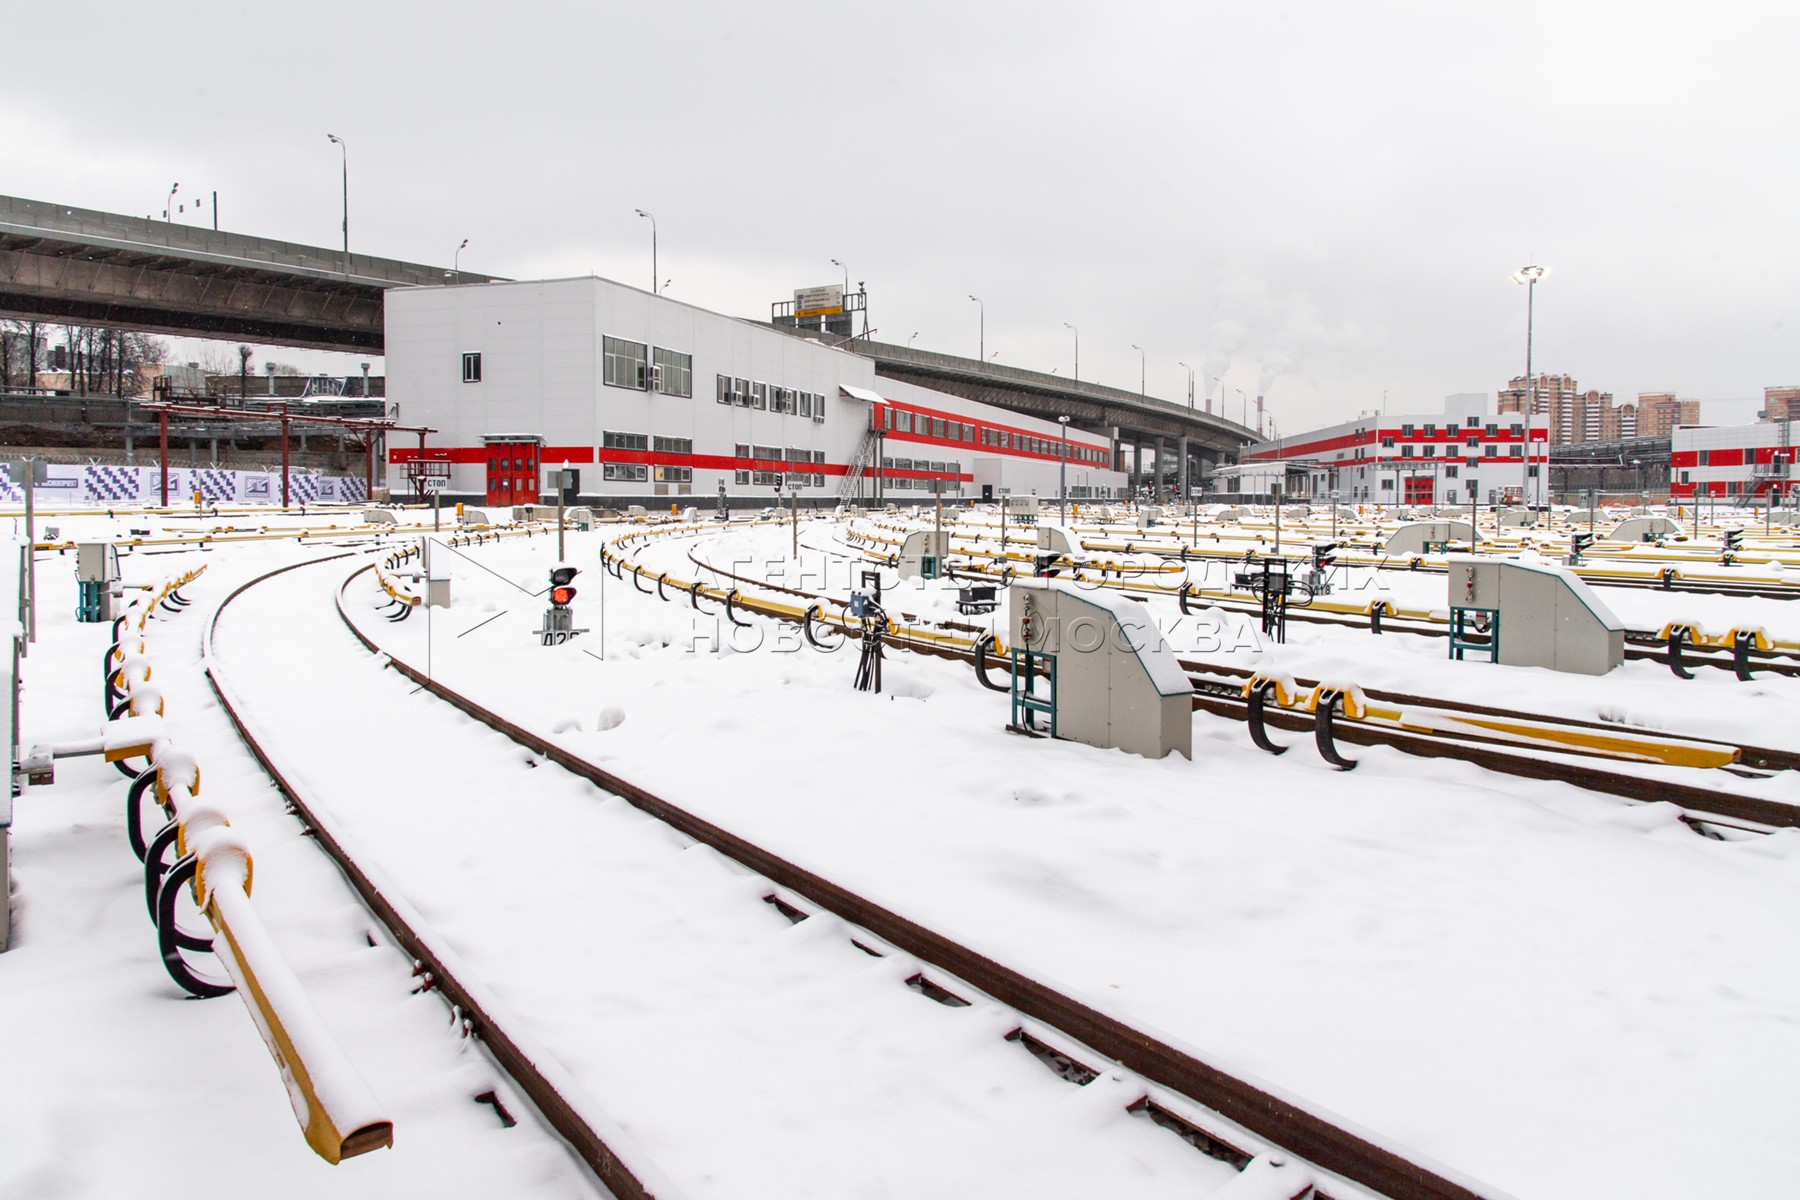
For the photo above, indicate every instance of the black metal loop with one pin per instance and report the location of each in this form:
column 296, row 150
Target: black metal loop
column 154, row 866
column 1375, row 612
column 134, row 811
column 694, row 597
column 171, row 941
column 1740, row 655
column 1678, row 635
column 637, row 580
column 806, row 627
column 1259, row 731
column 982, row 644
column 660, row 579
column 1323, row 735
column 1181, row 597
column 731, row 599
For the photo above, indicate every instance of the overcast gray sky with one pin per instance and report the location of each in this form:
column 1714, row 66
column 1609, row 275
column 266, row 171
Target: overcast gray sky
column 1321, row 200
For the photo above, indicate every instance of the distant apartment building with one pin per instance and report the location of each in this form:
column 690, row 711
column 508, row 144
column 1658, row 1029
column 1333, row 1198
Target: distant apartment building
column 1658, row 413
column 1573, row 415
column 1780, row 404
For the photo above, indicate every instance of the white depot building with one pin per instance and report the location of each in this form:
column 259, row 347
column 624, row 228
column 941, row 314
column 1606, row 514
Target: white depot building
column 659, row 403
column 1466, row 452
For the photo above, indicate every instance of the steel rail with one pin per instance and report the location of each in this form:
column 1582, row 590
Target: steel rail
column 1280, row 1120
column 519, row 1063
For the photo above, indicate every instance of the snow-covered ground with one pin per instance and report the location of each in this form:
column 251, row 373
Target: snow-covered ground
column 1559, row 993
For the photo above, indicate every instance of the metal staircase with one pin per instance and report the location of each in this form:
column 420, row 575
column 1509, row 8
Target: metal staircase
column 858, row 466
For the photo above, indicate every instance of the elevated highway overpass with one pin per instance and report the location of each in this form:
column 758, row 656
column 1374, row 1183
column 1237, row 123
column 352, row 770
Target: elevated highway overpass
column 75, row 265
column 1142, row 426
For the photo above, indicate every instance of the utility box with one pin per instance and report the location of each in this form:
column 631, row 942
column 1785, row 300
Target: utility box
column 1536, row 615
column 96, row 581
column 1426, row 537
column 1642, row 529
column 923, row 554
column 1058, row 542
column 1022, row 510
column 434, row 565
column 1114, row 682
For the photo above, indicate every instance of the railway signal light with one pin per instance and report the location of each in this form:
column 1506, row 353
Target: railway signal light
column 1323, row 554
column 560, row 591
column 1734, row 539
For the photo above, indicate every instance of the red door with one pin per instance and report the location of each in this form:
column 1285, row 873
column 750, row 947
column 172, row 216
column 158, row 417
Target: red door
column 512, row 473
column 1419, row 489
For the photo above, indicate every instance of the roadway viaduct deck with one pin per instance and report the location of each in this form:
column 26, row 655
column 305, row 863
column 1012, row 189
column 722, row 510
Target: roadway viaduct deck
column 76, row 265
column 1147, row 426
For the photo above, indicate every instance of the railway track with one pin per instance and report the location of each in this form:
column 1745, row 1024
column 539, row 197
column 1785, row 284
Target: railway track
column 1569, row 751
column 1641, row 645
column 1073, row 1038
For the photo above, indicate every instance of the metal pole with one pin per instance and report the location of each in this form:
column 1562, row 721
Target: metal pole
column 284, row 458
column 561, row 487
column 31, row 548
column 1062, row 478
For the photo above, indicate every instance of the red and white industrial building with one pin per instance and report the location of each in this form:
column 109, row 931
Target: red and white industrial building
column 658, row 402
column 1748, row 461
column 1467, row 451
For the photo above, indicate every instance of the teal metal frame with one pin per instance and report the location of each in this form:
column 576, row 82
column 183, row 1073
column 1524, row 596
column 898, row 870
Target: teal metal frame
column 1460, row 640
column 1026, row 700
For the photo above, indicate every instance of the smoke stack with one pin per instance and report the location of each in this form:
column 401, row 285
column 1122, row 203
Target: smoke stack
column 1259, row 417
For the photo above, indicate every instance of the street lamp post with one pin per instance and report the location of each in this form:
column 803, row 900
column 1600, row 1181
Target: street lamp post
column 654, row 275
column 1529, row 276
column 909, row 341
column 977, row 300
column 1062, row 473
column 1244, row 408
column 169, row 204
column 1077, row 334
column 1141, row 369
column 344, row 153
column 456, row 262
column 1190, row 372
column 836, row 263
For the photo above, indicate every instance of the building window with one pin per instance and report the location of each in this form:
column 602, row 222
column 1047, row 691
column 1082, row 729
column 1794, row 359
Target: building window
column 740, row 390
column 1406, row 431
column 724, row 395
column 806, row 404
column 1431, row 431
column 903, row 422
column 1387, row 443
column 1431, row 452
column 672, row 445
column 766, row 478
column 742, row 478
column 674, row 474
column 1406, row 452
column 759, row 395
column 740, row 451
column 674, row 373
column 624, row 441
column 625, row 472
column 1492, row 429
column 1704, row 456
column 627, row 363
column 1516, row 451
column 766, row 453
column 472, row 368
column 1449, row 472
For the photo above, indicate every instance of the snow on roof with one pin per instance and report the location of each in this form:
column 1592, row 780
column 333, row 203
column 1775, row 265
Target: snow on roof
column 1166, row 675
column 1577, row 585
column 861, row 393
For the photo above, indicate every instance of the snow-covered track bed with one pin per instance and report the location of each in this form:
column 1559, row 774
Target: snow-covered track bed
column 1638, row 764
column 1250, row 1135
